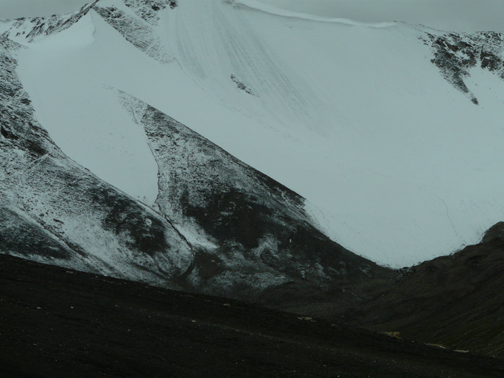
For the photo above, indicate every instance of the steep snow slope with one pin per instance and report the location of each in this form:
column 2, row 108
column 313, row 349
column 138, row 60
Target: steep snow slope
column 397, row 161
column 85, row 120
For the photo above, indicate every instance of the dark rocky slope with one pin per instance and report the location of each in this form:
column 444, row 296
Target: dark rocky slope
column 248, row 226
column 30, row 29
column 454, row 300
column 56, row 322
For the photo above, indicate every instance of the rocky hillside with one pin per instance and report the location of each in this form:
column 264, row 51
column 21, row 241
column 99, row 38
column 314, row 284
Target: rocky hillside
column 454, row 301
column 63, row 323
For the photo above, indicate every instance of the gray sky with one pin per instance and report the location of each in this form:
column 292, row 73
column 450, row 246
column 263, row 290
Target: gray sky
column 454, row 15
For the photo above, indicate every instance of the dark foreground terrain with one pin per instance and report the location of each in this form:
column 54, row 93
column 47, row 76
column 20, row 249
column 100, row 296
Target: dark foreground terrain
column 60, row 323
column 454, row 300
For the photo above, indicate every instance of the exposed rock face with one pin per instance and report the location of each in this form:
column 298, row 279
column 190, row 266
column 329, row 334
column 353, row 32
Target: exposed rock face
column 242, row 223
column 456, row 54
column 138, row 31
column 494, row 232
column 148, row 9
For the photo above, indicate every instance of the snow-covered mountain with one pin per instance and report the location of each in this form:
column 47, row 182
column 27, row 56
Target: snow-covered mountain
column 227, row 145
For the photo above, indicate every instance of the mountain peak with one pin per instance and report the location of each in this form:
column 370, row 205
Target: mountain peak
column 332, row 136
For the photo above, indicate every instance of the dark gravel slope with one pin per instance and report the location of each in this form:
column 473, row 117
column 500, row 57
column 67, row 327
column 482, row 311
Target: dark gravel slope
column 59, row 323
column 454, row 300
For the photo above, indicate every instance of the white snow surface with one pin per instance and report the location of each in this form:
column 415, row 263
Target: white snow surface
column 395, row 163
column 84, row 118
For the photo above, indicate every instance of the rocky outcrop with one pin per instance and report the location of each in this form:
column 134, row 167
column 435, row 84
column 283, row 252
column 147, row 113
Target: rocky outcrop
column 245, row 226
column 139, row 31
column 494, row 232
column 456, row 54
column 148, row 9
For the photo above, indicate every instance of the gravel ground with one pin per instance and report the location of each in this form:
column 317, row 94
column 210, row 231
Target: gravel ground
column 60, row 323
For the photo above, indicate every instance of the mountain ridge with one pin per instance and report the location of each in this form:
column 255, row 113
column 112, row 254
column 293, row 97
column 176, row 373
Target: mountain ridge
column 271, row 114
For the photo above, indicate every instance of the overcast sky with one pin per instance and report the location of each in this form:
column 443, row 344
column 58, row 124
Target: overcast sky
column 455, row 15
